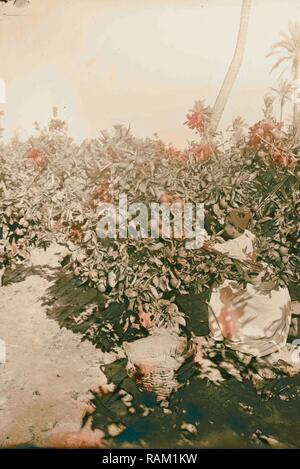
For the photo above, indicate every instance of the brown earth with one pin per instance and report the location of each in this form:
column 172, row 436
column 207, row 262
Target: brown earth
column 45, row 381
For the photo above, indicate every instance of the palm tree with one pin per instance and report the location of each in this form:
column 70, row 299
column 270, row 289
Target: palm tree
column 283, row 92
column 234, row 67
column 289, row 49
column 1, row 128
column 268, row 107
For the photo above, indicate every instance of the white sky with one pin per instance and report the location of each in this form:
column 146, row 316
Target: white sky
column 142, row 62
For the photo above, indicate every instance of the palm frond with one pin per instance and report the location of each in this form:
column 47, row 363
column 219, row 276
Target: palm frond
column 283, row 90
column 279, row 62
column 286, row 44
column 272, row 53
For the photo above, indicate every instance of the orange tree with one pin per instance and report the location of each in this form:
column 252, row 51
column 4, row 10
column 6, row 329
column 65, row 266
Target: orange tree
column 51, row 187
column 145, row 275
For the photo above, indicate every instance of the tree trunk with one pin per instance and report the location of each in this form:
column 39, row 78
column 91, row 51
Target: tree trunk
column 281, row 110
column 296, row 111
column 1, row 276
column 234, row 67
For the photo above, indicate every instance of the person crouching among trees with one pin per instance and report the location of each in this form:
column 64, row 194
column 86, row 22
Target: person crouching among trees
column 254, row 318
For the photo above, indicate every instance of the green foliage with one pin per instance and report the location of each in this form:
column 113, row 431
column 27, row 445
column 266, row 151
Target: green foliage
column 50, row 188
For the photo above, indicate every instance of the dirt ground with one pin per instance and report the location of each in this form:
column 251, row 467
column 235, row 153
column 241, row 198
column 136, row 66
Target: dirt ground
column 45, row 381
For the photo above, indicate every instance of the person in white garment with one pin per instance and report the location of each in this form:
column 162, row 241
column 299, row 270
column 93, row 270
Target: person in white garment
column 254, row 319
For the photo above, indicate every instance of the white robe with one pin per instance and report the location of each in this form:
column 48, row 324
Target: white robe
column 253, row 319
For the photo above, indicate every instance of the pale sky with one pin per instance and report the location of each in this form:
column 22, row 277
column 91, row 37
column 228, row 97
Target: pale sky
column 137, row 62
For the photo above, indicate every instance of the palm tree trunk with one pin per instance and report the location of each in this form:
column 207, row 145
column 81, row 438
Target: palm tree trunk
column 296, row 111
column 2, row 271
column 234, row 67
column 281, row 109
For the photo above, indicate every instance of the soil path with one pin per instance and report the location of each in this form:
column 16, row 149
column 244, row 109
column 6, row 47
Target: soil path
column 45, row 381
